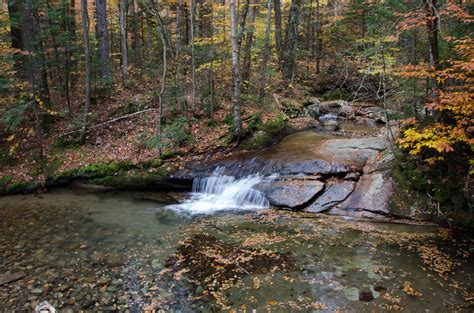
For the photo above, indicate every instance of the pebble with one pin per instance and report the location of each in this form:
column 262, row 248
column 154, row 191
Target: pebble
column 36, row 291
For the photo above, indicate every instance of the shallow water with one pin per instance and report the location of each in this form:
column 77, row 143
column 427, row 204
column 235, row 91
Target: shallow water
column 85, row 250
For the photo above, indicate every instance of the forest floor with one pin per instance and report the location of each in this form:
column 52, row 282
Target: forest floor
column 127, row 139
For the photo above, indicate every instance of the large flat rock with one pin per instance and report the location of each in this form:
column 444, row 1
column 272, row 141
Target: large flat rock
column 372, row 193
column 314, row 167
column 354, row 152
column 334, row 193
column 293, row 193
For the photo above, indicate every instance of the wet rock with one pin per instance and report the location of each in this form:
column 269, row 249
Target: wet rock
column 334, row 193
column 302, row 123
column 379, row 288
column 352, row 176
column 372, row 193
column 8, row 278
column 293, row 194
column 330, row 125
column 337, row 107
column 314, row 167
column 354, row 151
column 313, row 110
column 366, row 296
column 98, row 257
column 36, row 291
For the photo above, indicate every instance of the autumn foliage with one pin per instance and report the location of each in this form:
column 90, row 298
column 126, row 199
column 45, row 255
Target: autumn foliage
column 450, row 103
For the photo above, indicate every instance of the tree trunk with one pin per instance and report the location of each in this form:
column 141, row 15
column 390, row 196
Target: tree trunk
column 211, row 70
column 291, row 40
column 318, row 38
column 69, row 27
column 243, row 20
column 137, row 39
column 87, row 53
column 278, row 29
column 163, row 78
column 178, row 28
column 15, row 16
column 193, row 64
column 248, row 43
column 432, row 24
column 236, row 101
column 103, row 40
column 32, row 41
column 123, row 41
column 266, row 51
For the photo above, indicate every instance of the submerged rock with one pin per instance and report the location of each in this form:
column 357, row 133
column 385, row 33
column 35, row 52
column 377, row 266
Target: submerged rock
column 8, row 278
column 293, row 194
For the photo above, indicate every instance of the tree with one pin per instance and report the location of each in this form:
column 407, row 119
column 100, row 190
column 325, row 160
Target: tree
column 193, row 60
column 266, row 51
column 87, row 57
column 452, row 99
column 137, row 42
column 248, row 42
column 236, row 100
column 278, row 28
column 291, row 40
column 123, row 41
column 103, row 40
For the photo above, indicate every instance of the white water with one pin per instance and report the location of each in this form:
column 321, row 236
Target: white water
column 220, row 193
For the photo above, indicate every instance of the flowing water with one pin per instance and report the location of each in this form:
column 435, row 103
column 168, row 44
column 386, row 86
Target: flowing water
column 83, row 250
column 223, row 193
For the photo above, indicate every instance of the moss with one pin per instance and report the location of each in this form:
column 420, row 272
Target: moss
column 137, row 181
column 274, row 126
column 92, row 171
column 257, row 140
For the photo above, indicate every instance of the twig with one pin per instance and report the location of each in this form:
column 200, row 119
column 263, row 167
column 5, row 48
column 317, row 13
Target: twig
column 107, row 122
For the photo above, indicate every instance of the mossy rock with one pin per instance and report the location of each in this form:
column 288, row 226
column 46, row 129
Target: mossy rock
column 92, row 171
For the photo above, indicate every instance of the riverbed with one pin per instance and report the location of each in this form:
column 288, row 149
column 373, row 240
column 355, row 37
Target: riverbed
column 89, row 250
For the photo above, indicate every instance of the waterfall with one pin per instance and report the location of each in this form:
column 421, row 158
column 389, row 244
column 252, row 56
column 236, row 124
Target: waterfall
column 221, row 192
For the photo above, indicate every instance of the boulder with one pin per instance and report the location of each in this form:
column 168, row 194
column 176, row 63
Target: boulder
column 372, row 193
column 313, row 110
column 302, row 123
column 294, row 193
column 334, row 193
column 337, row 107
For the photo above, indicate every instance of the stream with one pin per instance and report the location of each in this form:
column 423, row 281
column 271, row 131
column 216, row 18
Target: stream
column 222, row 247
column 130, row 250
